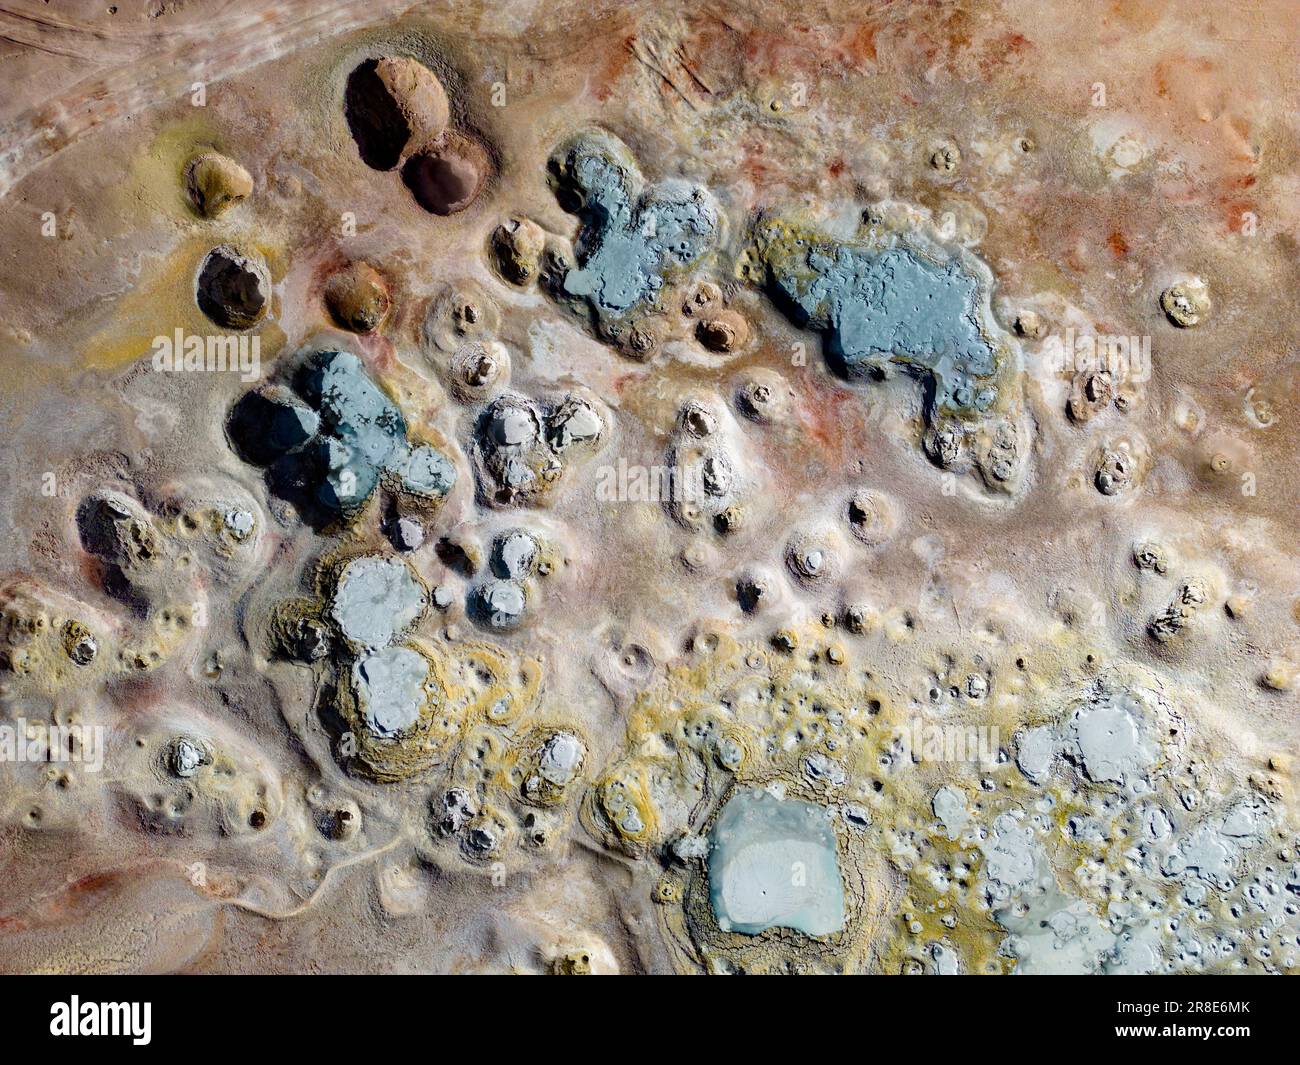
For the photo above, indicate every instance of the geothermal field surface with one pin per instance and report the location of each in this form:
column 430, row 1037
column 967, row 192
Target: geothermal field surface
column 648, row 487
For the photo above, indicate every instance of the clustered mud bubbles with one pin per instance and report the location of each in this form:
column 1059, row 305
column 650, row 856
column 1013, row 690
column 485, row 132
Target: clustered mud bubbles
column 399, row 116
column 667, row 535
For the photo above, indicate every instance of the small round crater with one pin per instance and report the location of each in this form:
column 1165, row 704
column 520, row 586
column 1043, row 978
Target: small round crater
column 447, row 178
column 233, row 289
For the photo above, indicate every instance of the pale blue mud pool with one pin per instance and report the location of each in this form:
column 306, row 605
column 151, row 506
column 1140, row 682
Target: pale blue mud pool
column 389, row 687
column 886, row 305
column 629, row 240
column 366, row 436
column 773, row 864
column 333, row 452
column 377, row 600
